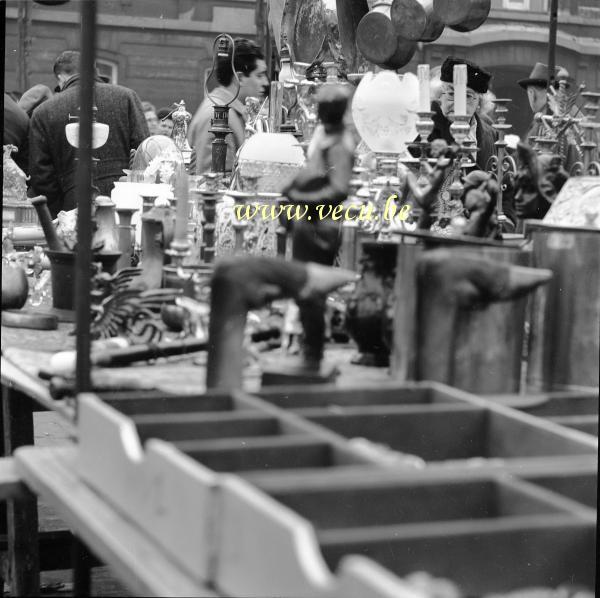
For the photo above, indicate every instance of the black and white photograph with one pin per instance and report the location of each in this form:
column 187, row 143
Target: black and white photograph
column 300, row 298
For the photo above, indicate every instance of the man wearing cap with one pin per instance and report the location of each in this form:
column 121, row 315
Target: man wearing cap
column 536, row 86
column 481, row 132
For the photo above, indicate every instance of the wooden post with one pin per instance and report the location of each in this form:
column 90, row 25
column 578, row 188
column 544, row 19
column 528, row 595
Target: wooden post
column 23, row 575
column 83, row 182
column 552, row 42
column 24, row 45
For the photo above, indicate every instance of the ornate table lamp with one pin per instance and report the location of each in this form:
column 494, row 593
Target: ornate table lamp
column 224, row 50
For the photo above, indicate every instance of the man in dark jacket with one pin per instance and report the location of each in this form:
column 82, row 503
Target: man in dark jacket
column 481, row 132
column 52, row 160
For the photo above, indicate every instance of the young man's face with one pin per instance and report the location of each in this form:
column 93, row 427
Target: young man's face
column 447, row 101
column 166, row 126
column 256, row 84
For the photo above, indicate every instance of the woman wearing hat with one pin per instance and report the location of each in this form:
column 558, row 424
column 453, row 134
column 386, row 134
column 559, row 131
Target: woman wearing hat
column 481, row 132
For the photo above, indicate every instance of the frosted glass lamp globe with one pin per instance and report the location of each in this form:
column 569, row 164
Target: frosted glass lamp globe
column 384, row 109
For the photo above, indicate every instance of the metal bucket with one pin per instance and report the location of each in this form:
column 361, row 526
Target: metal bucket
column 62, row 267
column 484, row 354
column 565, row 322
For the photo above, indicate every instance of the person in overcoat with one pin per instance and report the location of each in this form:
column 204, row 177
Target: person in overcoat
column 52, row 160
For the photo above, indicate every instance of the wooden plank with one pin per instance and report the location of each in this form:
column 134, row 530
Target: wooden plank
column 584, row 423
column 11, row 485
column 359, row 577
column 204, row 426
column 451, row 434
column 403, row 360
column 482, row 557
column 157, row 488
column 14, row 377
column 138, row 402
column 264, row 548
column 138, row 562
column 322, row 396
column 243, row 454
column 22, row 514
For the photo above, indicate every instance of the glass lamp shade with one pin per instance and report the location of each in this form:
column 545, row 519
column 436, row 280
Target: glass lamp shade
column 99, row 135
column 273, row 159
column 384, row 109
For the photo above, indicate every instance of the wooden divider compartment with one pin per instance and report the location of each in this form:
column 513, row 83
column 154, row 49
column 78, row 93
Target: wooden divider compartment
column 153, row 401
column 485, row 533
column 455, row 433
column 481, row 557
column 579, row 485
column 384, row 394
column 423, row 501
column 573, row 409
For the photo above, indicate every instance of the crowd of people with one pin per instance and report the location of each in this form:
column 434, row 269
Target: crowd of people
column 35, row 121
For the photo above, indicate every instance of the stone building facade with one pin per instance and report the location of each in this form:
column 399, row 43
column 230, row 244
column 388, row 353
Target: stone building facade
column 162, row 48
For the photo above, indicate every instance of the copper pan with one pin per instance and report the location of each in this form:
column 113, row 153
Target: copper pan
column 416, row 20
column 375, row 36
column 462, row 15
column 405, row 50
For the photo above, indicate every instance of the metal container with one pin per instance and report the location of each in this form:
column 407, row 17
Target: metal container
column 62, row 267
column 565, row 320
column 484, row 354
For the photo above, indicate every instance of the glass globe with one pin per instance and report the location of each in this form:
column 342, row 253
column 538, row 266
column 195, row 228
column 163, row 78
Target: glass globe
column 384, row 108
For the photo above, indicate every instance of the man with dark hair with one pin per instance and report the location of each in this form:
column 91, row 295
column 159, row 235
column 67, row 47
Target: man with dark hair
column 251, row 70
column 52, row 160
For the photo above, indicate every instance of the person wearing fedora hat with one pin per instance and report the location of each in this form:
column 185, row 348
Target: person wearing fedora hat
column 540, row 101
column 536, row 86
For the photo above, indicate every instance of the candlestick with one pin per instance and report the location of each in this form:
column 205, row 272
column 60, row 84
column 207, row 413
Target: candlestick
column 424, row 95
column 126, row 237
column 182, row 199
column 460, row 89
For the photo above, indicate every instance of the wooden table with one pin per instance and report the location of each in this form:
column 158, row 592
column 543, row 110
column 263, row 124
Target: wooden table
column 136, row 561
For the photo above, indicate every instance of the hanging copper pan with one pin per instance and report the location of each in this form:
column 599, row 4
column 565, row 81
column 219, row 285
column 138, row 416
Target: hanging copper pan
column 405, row 50
column 416, row 20
column 462, row 15
column 375, row 36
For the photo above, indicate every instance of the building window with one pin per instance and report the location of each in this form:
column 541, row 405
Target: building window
column 108, row 69
column 516, row 4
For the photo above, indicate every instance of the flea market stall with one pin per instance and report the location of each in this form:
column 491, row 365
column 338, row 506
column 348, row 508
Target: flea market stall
column 456, row 455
